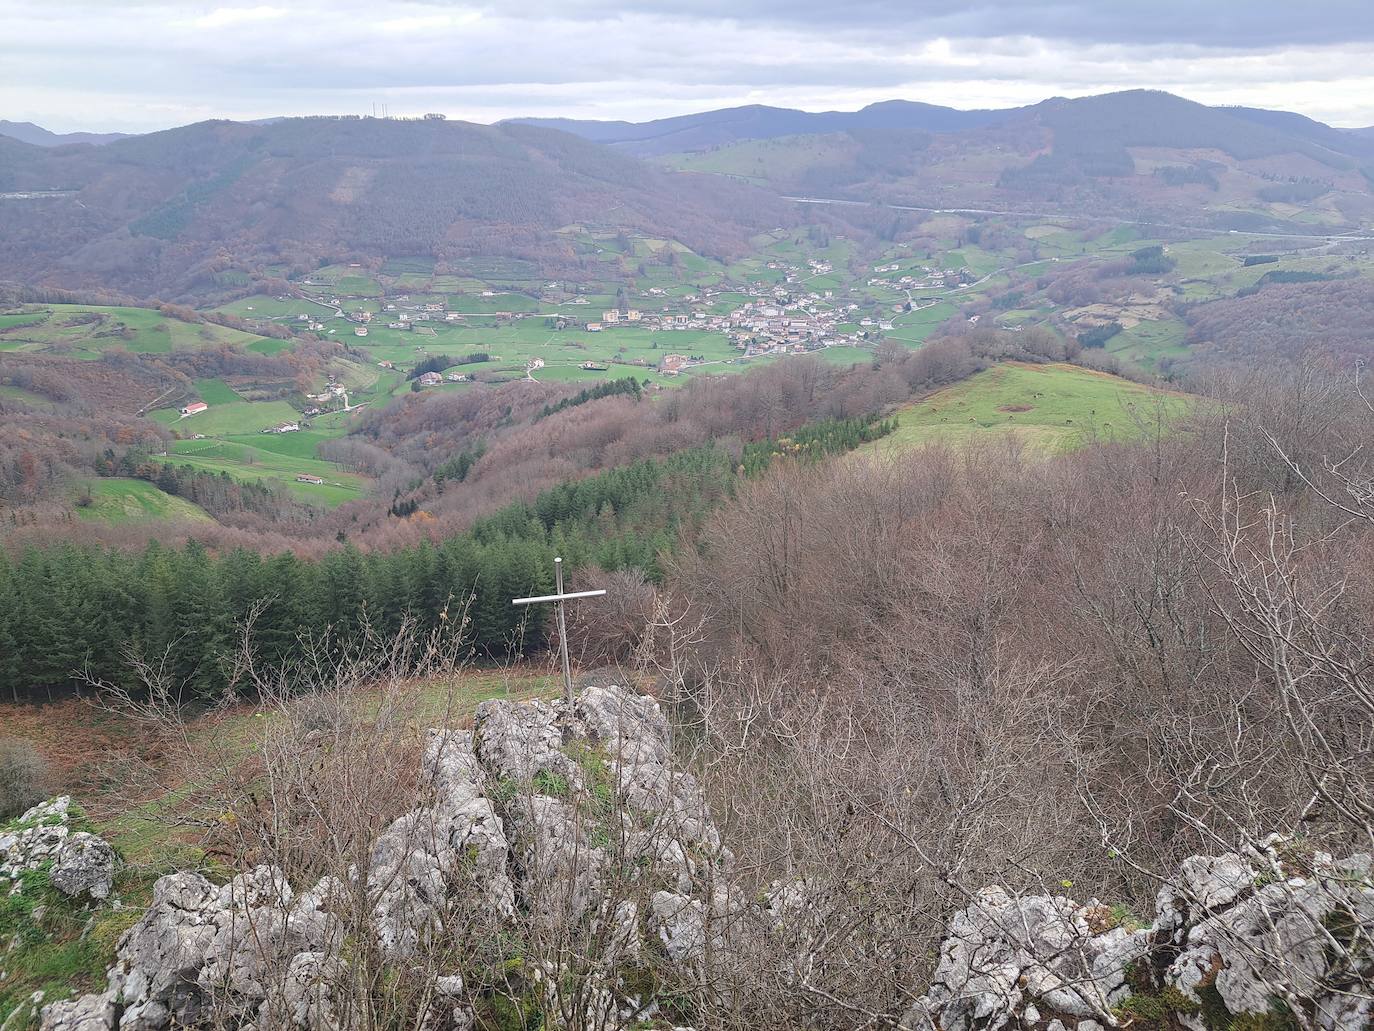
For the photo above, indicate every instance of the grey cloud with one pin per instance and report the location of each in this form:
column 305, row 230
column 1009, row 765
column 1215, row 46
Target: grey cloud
column 155, row 64
column 1221, row 23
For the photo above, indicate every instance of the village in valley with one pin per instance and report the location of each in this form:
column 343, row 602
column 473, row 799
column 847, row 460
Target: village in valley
column 778, row 306
column 642, row 309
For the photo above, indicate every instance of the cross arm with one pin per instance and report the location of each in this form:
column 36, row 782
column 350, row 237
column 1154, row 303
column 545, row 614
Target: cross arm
column 558, row 597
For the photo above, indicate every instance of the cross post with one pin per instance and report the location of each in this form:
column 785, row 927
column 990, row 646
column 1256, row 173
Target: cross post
column 558, row 599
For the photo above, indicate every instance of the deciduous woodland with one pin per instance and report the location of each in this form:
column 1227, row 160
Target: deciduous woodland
column 897, row 679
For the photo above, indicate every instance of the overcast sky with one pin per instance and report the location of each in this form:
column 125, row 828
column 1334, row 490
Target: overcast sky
column 135, row 66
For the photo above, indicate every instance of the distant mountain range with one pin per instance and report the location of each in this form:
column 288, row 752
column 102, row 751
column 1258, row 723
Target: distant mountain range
column 757, row 122
column 186, row 213
column 1139, row 155
column 27, row 132
column 707, row 129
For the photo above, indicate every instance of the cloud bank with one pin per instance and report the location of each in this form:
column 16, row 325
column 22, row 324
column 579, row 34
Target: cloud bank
column 139, row 66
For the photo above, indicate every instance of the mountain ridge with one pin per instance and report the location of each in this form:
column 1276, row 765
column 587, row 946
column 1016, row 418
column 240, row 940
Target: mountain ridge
column 36, row 135
column 160, row 214
column 706, row 129
column 760, row 121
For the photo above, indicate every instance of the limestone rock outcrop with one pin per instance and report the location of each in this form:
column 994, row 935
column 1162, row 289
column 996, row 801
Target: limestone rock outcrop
column 82, row 864
column 1236, row 937
column 515, row 828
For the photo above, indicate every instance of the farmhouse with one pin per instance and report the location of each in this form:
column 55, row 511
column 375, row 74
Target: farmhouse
column 672, row 364
column 430, row 379
column 307, row 478
column 286, row 427
column 593, row 327
column 361, row 331
column 194, row 408
column 611, row 317
column 593, row 367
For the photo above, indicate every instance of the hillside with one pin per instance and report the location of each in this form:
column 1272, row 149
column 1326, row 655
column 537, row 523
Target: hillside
column 199, row 208
column 1049, row 408
column 1140, row 154
column 27, row 132
column 118, row 500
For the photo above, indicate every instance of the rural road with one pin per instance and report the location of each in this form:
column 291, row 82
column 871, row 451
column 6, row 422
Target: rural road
column 1063, row 217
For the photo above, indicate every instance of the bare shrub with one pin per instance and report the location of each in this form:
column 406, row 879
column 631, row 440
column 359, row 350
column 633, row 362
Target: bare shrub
column 24, row 777
column 610, row 630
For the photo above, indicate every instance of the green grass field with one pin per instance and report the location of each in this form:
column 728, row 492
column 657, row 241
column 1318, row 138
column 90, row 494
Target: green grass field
column 261, row 306
column 216, row 392
column 236, row 417
column 27, row 396
column 245, row 458
column 117, row 500
column 1148, row 343
column 1052, row 408
column 85, row 331
column 303, row 444
column 914, row 326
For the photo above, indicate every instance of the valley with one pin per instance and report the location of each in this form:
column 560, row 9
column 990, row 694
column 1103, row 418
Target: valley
column 658, row 313
column 956, row 514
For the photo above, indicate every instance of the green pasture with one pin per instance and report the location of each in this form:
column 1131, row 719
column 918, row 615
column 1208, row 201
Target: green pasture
column 261, row 306
column 249, row 462
column 1148, row 343
column 117, row 500
column 85, row 331
column 27, row 396
column 1053, row 408
column 226, row 419
column 216, row 392
column 302, row 444
column 914, row 326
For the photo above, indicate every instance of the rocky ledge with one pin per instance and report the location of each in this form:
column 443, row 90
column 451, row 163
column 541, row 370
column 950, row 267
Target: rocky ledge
column 546, row 821
column 82, row 864
column 1275, row 938
column 565, row 832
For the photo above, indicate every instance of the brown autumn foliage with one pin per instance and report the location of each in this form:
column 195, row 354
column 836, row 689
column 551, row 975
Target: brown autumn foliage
column 923, row 675
column 1283, row 322
column 342, row 189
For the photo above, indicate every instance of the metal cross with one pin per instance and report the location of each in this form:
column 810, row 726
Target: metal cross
column 558, row 599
